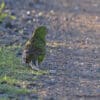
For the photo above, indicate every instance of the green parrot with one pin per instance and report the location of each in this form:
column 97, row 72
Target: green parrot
column 35, row 48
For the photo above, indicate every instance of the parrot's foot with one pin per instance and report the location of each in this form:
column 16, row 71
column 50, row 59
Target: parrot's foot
column 33, row 66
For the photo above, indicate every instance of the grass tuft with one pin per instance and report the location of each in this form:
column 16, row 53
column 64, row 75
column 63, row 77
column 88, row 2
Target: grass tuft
column 14, row 77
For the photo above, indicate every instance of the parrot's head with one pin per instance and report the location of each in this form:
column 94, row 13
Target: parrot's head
column 41, row 31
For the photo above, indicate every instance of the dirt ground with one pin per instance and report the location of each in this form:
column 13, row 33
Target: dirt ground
column 73, row 45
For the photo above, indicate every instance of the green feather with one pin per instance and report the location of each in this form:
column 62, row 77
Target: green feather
column 35, row 47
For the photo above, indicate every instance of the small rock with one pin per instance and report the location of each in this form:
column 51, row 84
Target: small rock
column 51, row 82
column 28, row 12
column 52, row 71
column 40, row 14
column 52, row 12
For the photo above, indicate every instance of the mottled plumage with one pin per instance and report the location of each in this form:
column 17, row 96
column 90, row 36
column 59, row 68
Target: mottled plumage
column 34, row 51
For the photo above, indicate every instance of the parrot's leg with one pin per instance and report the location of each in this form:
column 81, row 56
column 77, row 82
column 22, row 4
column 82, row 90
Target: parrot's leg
column 24, row 57
column 37, row 64
column 33, row 66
